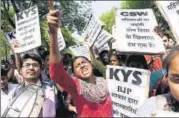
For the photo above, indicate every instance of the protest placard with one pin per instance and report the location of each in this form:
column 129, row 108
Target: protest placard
column 128, row 88
column 104, row 47
column 11, row 37
column 28, row 29
column 170, row 11
column 92, row 30
column 133, row 32
column 102, row 38
column 32, row 51
column 81, row 50
column 61, row 41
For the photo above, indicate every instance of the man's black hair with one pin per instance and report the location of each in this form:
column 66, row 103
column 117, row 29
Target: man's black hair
column 102, row 52
column 33, row 57
column 3, row 71
column 169, row 58
column 45, row 54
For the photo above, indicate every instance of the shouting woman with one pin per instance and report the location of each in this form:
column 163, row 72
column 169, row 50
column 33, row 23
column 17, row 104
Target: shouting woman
column 90, row 93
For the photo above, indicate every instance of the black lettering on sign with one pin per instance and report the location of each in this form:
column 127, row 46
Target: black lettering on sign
column 134, row 13
column 136, row 76
column 11, row 35
column 113, row 73
column 124, row 90
column 26, row 13
column 126, row 74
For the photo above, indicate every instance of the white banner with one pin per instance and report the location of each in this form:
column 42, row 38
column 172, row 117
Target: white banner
column 170, row 11
column 61, row 41
column 133, row 32
column 103, row 38
column 104, row 47
column 81, row 50
column 92, row 30
column 128, row 89
column 11, row 37
column 28, row 29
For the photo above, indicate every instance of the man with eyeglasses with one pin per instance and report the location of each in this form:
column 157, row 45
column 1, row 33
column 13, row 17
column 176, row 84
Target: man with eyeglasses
column 30, row 69
column 5, row 89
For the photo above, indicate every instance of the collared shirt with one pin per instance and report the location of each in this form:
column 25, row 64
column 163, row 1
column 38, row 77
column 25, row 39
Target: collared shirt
column 5, row 97
column 49, row 104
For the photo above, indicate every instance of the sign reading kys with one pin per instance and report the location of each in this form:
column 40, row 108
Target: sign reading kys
column 128, row 89
column 81, row 50
column 170, row 11
column 28, row 29
column 92, row 30
column 11, row 37
column 133, row 32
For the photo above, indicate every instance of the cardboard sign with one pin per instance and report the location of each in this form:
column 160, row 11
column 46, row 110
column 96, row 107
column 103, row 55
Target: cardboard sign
column 92, row 30
column 103, row 38
column 11, row 37
column 104, row 47
column 133, row 32
column 61, row 41
column 28, row 29
column 33, row 51
column 170, row 11
column 128, row 89
column 81, row 50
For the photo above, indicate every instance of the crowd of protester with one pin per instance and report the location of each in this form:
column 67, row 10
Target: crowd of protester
column 76, row 86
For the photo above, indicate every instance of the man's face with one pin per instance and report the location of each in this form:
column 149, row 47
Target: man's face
column 82, row 68
column 105, row 58
column 165, row 41
column 173, row 77
column 30, row 69
column 4, row 81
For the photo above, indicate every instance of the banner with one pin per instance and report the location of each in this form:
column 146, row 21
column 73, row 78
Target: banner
column 61, row 41
column 170, row 11
column 28, row 29
column 81, row 50
column 128, row 87
column 92, row 30
column 133, row 32
column 104, row 47
column 103, row 38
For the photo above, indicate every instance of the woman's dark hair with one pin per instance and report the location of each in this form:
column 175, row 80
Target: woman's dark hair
column 137, row 58
column 33, row 57
column 169, row 58
column 75, row 58
column 118, row 57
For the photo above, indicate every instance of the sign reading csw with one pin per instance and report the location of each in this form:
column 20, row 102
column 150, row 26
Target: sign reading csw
column 170, row 11
column 103, row 38
column 11, row 37
column 81, row 50
column 28, row 29
column 92, row 30
column 61, row 41
column 128, row 89
column 133, row 32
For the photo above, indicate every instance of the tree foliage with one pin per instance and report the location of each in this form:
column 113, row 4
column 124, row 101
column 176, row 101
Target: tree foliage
column 75, row 15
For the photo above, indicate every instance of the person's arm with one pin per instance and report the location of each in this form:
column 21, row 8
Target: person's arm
column 57, row 72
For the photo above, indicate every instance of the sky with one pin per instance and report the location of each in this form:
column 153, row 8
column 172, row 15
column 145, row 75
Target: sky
column 99, row 7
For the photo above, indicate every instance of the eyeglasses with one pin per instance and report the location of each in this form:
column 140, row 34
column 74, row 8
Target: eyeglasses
column 28, row 65
column 174, row 78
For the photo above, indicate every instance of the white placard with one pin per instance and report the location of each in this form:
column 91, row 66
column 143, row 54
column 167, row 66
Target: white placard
column 81, row 50
column 170, row 11
column 92, row 30
column 128, row 89
column 11, row 37
column 61, row 41
column 28, row 29
column 104, row 47
column 133, row 32
column 103, row 38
